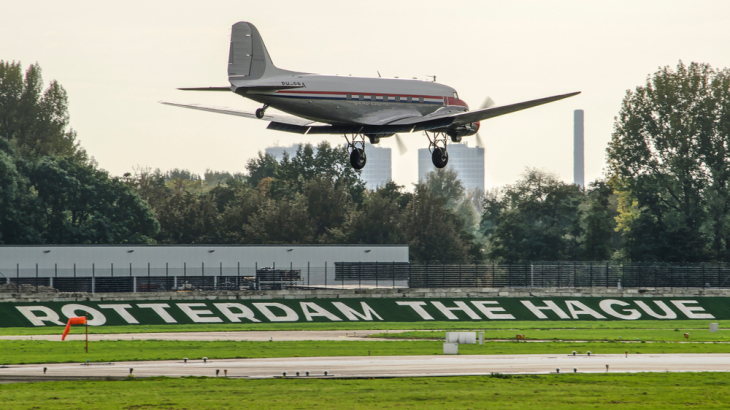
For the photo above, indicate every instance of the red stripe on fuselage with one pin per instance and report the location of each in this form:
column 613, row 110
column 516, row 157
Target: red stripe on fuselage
column 358, row 93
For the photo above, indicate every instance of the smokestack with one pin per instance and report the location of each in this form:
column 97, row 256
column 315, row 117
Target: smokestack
column 578, row 167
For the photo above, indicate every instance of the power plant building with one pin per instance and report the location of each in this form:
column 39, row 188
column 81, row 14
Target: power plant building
column 467, row 162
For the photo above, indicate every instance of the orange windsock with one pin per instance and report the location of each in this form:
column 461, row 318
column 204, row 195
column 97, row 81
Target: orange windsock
column 81, row 320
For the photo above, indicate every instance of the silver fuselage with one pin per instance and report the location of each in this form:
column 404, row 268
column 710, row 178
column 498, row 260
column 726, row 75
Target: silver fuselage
column 354, row 100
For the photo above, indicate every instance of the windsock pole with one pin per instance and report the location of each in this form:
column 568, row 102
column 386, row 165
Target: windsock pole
column 86, row 324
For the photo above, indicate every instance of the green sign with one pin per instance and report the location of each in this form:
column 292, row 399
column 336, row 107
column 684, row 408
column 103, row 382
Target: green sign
column 355, row 310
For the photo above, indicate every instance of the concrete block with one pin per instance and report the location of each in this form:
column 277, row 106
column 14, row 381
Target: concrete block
column 451, row 348
column 464, row 338
column 714, row 328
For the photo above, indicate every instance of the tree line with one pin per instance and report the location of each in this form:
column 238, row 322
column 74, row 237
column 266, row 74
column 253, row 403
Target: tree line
column 664, row 195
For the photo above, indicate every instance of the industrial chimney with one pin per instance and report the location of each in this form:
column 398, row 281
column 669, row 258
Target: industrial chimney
column 578, row 167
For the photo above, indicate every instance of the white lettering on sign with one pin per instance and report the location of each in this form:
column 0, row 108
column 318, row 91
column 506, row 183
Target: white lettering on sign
column 37, row 320
column 194, row 315
column 549, row 305
column 289, row 314
column 462, row 306
column 417, row 307
column 629, row 314
column 578, row 308
column 668, row 312
column 159, row 308
column 122, row 311
column 311, row 309
column 352, row 314
column 244, row 312
column 97, row 319
column 689, row 311
column 489, row 311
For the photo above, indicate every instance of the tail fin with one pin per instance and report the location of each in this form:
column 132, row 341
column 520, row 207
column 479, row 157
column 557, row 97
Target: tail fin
column 248, row 58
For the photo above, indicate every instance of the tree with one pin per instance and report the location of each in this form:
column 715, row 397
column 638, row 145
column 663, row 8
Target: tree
column 668, row 159
column 601, row 239
column 19, row 222
column 81, row 204
column 445, row 183
column 33, row 120
column 538, row 218
column 433, row 232
column 263, row 166
column 379, row 219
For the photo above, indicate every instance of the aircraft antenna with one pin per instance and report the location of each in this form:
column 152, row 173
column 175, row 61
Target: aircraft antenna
column 379, row 74
column 432, row 76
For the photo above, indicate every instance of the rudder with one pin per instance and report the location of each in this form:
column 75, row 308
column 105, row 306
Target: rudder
column 248, row 58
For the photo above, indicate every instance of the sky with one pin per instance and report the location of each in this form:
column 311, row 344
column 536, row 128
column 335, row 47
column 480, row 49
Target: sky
column 118, row 60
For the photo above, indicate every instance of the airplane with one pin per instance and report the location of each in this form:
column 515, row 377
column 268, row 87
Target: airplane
column 356, row 106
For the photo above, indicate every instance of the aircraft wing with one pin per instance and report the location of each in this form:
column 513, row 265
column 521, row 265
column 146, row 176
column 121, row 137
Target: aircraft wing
column 278, row 118
column 466, row 117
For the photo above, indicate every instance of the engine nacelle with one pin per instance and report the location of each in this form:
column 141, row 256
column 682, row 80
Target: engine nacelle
column 375, row 138
column 463, row 131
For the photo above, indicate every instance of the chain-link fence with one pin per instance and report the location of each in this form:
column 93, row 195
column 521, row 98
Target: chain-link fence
column 357, row 275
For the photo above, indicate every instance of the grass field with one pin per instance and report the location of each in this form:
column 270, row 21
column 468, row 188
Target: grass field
column 625, row 335
column 25, row 351
column 569, row 391
column 683, row 325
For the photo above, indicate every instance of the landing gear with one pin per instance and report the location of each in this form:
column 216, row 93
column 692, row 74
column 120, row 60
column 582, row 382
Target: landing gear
column 261, row 111
column 437, row 146
column 358, row 158
column 440, row 157
column 356, row 145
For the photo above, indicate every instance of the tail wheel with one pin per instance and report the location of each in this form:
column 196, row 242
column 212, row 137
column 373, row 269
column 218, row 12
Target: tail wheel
column 440, row 157
column 358, row 158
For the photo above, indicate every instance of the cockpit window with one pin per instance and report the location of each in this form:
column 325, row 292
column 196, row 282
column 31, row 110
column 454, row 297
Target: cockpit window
column 456, row 96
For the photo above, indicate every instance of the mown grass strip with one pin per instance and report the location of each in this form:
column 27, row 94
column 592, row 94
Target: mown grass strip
column 461, row 325
column 569, row 391
column 625, row 335
column 25, row 351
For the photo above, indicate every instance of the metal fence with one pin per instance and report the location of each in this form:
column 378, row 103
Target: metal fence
column 355, row 275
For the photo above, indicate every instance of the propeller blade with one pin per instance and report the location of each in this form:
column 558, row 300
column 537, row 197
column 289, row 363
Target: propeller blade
column 480, row 143
column 488, row 103
column 402, row 149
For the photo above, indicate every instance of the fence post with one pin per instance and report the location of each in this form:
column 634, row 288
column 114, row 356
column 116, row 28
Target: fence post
column 238, row 276
column 607, row 274
column 590, row 272
column 393, row 274
column 359, row 275
column 459, row 274
column 376, row 274
column 671, row 277
column 256, row 276
column 220, row 274
column 325, row 274
column 308, row 283
column 75, row 285
column 112, row 271
column 342, row 275
column 202, row 271
column 36, row 278
column 167, row 275
column 17, row 277
column 148, row 277
column 509, row 275
column 703, row 275
column 93, row 278
column 719, row 277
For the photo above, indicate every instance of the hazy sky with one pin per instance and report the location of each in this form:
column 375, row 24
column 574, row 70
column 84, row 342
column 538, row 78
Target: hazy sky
column 118, row 61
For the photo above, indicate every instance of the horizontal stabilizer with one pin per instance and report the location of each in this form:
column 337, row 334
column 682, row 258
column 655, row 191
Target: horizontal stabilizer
column 206, row 89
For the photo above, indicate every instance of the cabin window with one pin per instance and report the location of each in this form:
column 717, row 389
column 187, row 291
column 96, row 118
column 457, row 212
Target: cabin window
column 373, row 98
column 385, row 98
column 397, row 98
column 410, row 99
column 456, row 96
column 420, row 99
column 361, row 97
column 349, row 96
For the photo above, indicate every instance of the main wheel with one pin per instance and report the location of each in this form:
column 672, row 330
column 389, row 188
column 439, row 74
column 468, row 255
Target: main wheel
column 358, row 158
column 440, row 157
column 259, row 113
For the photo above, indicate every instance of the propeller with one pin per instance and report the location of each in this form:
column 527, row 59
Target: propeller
column 402, row 149
column 488, row 103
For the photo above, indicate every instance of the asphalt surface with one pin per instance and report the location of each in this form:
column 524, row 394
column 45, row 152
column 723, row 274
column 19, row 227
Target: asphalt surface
column 384, row 366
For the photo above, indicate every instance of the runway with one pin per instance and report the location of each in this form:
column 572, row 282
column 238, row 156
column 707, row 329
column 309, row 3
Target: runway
column 252, row 336
column 390, row 366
